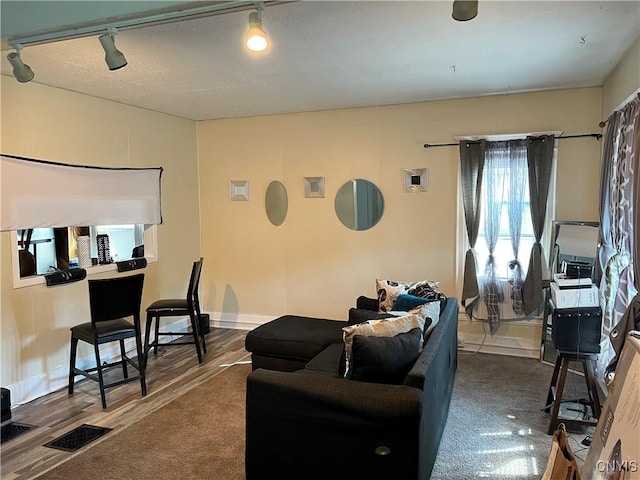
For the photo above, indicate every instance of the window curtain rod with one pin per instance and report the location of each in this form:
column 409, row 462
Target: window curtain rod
column 597, row 136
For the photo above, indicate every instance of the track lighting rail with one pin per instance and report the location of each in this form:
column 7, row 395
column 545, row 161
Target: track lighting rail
column 191, row 11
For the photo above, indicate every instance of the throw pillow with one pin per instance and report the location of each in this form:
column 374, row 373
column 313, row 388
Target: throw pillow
column 431, row 311
column 359, row 315
column 379, row 328
column 406, row 302
column 423, row 288
column 384, row 359
column 387, row 290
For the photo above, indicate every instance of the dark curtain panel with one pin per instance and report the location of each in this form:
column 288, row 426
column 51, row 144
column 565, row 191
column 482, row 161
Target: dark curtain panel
column 618, row 204
column 608, row 152
column 635, row 202
column 539, row 162
column 471, row 168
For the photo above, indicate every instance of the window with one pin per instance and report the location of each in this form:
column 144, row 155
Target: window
column 50, row 248
column 40, row 250
column 505, row 218
column 505, row 229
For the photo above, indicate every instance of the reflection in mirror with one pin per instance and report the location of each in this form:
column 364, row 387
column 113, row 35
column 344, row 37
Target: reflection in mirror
column 359, row 204
column 573, row 241
column 276, row 203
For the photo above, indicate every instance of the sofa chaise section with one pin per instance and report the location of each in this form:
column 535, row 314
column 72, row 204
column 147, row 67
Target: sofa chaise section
column 305, row 424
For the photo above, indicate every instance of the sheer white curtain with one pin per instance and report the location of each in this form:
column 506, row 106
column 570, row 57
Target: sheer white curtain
column 503, row 206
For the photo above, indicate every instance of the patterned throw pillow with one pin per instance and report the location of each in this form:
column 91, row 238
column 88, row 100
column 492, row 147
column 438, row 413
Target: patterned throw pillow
column 388, row 291
column 430, row 312
column 425, row 289
column 378, row 328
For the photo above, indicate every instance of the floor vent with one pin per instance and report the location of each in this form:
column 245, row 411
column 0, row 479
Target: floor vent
column 77, row 438
column 12, row 429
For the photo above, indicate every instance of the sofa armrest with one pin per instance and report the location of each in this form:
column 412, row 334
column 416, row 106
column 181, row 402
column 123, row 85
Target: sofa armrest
column 309, row 426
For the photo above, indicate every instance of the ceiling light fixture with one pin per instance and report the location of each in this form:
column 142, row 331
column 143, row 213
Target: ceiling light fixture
column 464, row 10
column 114, row 57
column 256, row 37
column 21, row 71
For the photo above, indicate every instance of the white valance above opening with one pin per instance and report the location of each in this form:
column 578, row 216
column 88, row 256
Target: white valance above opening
column 41, row 194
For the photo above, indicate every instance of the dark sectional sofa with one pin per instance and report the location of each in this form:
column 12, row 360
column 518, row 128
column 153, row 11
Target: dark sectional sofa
column 305, row 421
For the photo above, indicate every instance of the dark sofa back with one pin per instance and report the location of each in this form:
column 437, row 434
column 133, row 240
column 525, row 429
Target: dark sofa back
column 443, row 336
column 434, row 373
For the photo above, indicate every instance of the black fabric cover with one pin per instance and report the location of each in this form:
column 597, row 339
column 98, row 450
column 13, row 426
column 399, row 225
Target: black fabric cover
column 384, row 359
column 359, row 315
column 293, row 337
column 65, row 276
column 577, row 330
column 133, row 264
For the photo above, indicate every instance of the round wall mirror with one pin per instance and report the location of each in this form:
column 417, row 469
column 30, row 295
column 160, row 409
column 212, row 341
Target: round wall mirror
column 359, row 204
column 276, row 203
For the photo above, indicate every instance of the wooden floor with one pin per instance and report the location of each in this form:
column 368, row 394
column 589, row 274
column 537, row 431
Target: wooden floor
column 174, row 371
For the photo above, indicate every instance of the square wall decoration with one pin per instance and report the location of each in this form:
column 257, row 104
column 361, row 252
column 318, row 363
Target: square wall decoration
column 416, row 180
column 239, row 190
column 314, row 187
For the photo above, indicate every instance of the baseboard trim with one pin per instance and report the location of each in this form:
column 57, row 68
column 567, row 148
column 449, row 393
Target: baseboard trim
column 498, row 345
column 238, row 321
column 473, row 339
column 31, row 388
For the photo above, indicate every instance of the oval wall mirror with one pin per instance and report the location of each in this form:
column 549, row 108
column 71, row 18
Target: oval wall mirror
column 276, row 203
column 359, row 204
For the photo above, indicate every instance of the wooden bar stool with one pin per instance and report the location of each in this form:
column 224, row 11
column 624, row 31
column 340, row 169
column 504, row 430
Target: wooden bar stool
column 556, row 388
column 177, row 307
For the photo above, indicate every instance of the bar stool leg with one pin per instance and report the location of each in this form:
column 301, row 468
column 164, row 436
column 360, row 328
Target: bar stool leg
column 552, row 386
column 558, row 400
column 592, row 388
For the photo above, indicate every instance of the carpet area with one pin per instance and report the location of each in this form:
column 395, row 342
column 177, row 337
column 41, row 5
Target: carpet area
column 495, row 429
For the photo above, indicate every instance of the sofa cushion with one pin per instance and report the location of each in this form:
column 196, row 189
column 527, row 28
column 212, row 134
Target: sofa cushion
column 367, row 303
column 294, row 337
column 384, row 359
column 328, row 361
column 379, row 328
column 359, row 315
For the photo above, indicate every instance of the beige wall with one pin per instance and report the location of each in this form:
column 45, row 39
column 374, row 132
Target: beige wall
column 312, row 264
column 53, row 124
column 623, row 81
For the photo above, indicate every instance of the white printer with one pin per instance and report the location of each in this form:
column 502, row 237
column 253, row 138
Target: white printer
column 573, row 292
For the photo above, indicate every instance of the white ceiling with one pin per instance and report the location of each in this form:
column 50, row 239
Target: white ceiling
column 340, row 54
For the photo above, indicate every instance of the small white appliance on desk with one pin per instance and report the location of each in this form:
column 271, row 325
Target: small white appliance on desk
column 573, row 292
